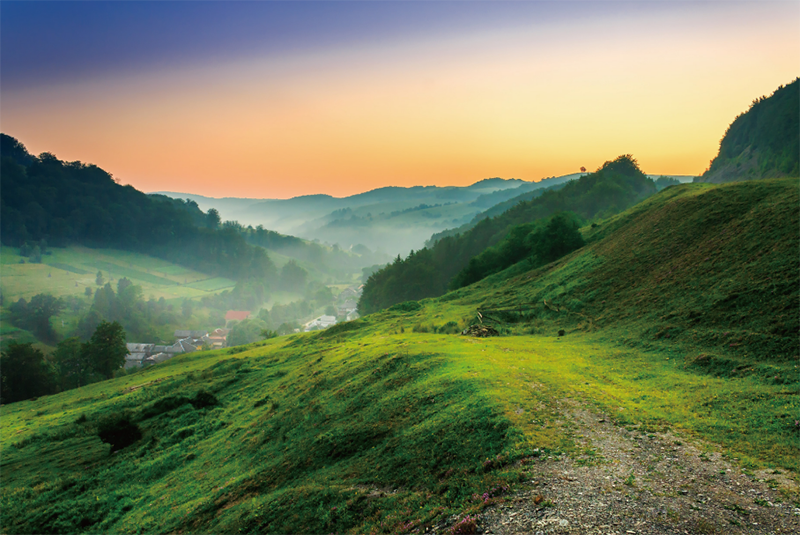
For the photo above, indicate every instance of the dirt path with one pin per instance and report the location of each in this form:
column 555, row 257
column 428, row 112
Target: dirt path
column 637, row 483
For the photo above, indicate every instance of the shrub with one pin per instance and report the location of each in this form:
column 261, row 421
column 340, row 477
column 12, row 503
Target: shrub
column 118, row 430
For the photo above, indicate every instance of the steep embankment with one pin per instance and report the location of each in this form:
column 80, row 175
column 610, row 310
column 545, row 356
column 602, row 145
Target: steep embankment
column 394, row 423
column 763, row 142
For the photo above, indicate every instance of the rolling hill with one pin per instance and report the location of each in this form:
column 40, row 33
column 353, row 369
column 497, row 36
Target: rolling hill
column 679, row 318
column 393, row 220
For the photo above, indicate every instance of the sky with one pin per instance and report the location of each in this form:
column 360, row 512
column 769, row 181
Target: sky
column 279, row 99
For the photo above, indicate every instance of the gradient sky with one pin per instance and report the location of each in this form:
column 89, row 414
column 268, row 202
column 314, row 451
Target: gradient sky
column 277, row 99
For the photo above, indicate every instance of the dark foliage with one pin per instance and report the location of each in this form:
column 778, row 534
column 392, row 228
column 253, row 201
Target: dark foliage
column 35, row 315
column 44, row 198
column 106, row 349
column 119, row 431
column 540, row 243
column 617, row 185
column 24, row 373
column 763, row 142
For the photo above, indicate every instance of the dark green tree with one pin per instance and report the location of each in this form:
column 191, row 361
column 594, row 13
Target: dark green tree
column 24, row 373
column 72, row 364
column 106, row 349
column 559, row 237
column 212, row 218
column 293, row 277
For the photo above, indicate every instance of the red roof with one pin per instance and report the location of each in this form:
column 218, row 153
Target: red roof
column 238, row 315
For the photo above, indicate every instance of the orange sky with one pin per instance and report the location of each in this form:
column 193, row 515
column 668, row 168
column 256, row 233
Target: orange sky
column 524, row 101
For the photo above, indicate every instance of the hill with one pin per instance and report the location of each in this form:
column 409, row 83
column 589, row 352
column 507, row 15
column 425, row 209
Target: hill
column 428, row 272
column 763, row 142
column 72, row 203
column 391, row 220
column 680, row 319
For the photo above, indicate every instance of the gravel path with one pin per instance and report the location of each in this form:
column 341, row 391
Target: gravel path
column 639, row 483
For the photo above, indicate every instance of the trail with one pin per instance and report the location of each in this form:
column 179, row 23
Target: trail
column 638, row 483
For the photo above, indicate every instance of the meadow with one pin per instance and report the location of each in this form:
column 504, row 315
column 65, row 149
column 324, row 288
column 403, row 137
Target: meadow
column 362, row 429
column 70, row 270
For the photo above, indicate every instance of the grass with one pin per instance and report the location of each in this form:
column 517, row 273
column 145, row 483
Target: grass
column 370, row 427
column 69, row 271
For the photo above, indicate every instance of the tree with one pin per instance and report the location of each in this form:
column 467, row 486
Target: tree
column 99, row 278
column 266, row 334
column 72, row 363
column 35, row 316
column 24, row 373
column 246, row 332
column 41, row 308
column 293, row 277
column 187, row 308
column 559, row 237
column 106, row 349
column 212, row 218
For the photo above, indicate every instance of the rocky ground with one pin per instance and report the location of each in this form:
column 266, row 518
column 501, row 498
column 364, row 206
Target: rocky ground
column 638, row 483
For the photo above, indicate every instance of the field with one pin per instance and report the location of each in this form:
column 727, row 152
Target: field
column 69, row 271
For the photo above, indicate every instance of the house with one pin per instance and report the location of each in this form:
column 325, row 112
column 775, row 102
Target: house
column 343, row 310
column 140, row 355
column 238, row 315
column 322, row 322
column 180, row 335
column 217, row 338
column 136, row 355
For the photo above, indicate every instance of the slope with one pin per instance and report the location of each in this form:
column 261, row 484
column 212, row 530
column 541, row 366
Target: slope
column 389, row 424
column 613, row 187
column 763, row 142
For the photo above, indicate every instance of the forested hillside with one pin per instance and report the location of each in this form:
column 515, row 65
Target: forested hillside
column 429, row 272
column 763, row 142
column 62, row 203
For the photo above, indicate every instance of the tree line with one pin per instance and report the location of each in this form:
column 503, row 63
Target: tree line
column 25, row 372
column 431, row 271
column 44, row 198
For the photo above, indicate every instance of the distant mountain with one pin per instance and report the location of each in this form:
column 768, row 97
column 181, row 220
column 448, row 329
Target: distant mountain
column 391, row 219
column 763, row 142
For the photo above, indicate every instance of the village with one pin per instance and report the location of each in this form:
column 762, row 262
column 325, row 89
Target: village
column 141, row 355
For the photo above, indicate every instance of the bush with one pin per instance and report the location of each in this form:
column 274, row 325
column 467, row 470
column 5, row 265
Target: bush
column 118, row 430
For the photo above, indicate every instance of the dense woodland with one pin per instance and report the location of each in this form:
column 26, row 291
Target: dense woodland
column 763, row 142
column 63, row 203
column 431, row 271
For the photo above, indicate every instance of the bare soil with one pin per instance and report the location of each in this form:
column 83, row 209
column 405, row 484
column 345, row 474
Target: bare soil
column 629, row 482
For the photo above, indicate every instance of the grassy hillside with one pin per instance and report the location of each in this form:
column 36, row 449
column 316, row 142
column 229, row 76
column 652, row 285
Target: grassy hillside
column 69, row 270
column 429, row 272
column 388, row 424
column 695, row 265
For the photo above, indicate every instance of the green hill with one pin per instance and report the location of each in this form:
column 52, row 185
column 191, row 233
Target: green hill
column 429, row 272
column 72, row 203
column 763, row 142
column 681, row 313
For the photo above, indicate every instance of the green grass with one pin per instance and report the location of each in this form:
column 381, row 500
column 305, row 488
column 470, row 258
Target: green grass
column 369, row 427
column 70, row 270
